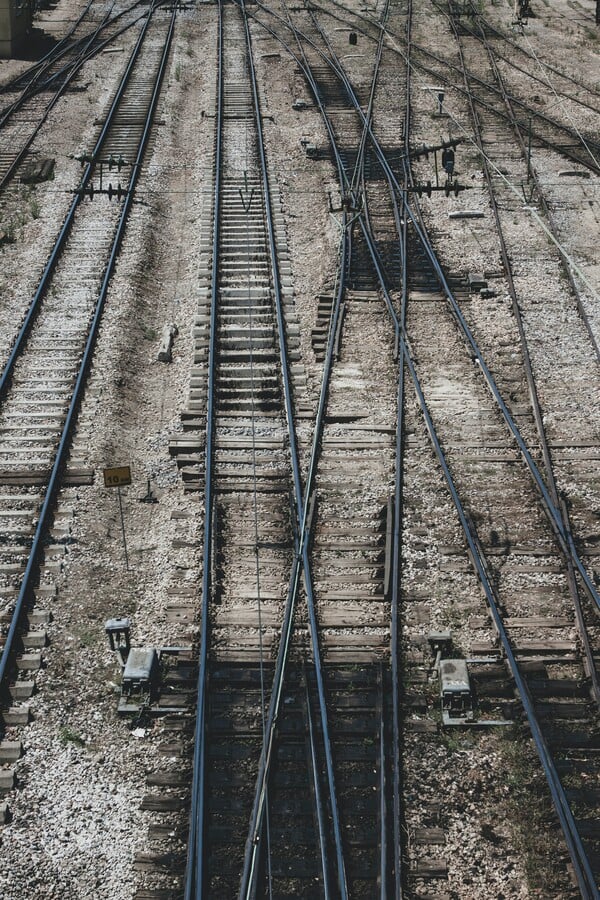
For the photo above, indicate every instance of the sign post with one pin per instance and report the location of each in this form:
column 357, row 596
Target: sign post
column 119, row 476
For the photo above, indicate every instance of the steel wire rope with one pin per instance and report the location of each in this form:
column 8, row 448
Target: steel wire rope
column 482, row 38
column 503, row 116
column 507, row 39
column 544, row 79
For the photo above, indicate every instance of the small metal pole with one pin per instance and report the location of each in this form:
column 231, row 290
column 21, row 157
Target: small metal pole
column 529, row 152
column 123, row 529
column 100, row 176
column 437, row 181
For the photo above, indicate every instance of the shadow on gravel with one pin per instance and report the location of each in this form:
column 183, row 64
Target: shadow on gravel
column 37, row 44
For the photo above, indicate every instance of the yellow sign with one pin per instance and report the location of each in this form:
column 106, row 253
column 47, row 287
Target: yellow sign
column 118, row 476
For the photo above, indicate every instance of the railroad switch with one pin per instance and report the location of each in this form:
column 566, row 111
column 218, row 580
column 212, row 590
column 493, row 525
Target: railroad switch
column 152, row 678
column 448, row 158
column 88, row 190
column 111, row 191
column 523, row 12
column 455, row 692
column 477, row 281
column 119, row 637
column 312, row 151
column 440, row 643
column 457, row 695
column 116, row 162
column 348, row 204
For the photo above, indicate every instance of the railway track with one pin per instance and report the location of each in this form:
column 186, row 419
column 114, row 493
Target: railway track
column 45, row 372
column 428, row 282
column 341, row 752
column 45, row 84
column 314, row 766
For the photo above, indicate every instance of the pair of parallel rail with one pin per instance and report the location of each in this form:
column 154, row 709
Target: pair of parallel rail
column 44, row 376
column 332, row 873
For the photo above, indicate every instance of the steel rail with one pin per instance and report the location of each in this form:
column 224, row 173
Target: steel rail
column 368, row 20
column 553, row 512
column 33, row 88
column 71, row 416
column 543, row 202
column 399, row 835
column 277, row 289
column 301, row 563
column 555, row 517
column 63, row 72
column 589, row 661
column 448, row 64
column 533, row 59
column 397, row 867
column 383, row 825
column 50, row 106
column 69, row 219
column 401, row 227
column 572, row 837
column 194, row 874
column 327, row 893
column 54, row 54
column 344, row 182
column 530, row 112
column 575, row 847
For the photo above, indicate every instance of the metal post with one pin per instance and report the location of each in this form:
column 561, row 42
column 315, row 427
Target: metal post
column 529, row 148
column 123, row 529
